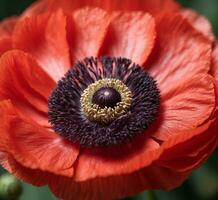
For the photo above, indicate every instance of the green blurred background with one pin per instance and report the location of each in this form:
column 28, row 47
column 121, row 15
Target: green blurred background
column 203, row 184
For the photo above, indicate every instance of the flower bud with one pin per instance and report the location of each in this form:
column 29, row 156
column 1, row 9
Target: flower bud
column 10, row 187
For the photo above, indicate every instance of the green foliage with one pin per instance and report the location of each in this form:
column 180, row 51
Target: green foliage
column 13, row 7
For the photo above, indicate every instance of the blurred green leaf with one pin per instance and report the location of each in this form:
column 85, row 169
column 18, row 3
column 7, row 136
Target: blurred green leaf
column 33, row 193
column 13, row 7
column 147, row 195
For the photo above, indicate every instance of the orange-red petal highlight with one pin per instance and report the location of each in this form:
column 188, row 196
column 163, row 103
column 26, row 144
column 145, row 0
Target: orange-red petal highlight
column 45, row 38
column 187, row 105
column 130, row 35
column 34, row 146
column 28, row 93
column 181, row 52
column 86, row 31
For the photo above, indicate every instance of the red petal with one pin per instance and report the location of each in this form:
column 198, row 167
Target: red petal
column 47, row 41
column 34, row 146
column 199, row 22
column 7, row 26
column 186, row 163
column 66, row 188
column 187, row 105
column 27, row 92
column 181, row 52
column 130, row 35
column 36, row 8
column 192, row 152
column 154, row 7
column 214, row 68
column 117, row 160
column 86, row 32
column 117, row 187
column 35, row 177
column 5, row 45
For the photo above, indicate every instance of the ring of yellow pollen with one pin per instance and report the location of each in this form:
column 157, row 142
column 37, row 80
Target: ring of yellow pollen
column 105, row 115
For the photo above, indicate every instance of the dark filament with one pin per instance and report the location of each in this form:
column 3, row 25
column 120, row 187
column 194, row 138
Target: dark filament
column 65, row 112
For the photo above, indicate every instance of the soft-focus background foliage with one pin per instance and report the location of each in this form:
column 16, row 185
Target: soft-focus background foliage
column 203, row 184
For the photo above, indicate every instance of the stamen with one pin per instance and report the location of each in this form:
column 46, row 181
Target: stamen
column 106, row 110
column 103, row 102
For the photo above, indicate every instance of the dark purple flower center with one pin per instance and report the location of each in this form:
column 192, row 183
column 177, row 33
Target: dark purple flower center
column 103, row 101
column 106, row 97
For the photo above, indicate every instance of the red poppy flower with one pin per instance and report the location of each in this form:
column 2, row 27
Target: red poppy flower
column 105, row 101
